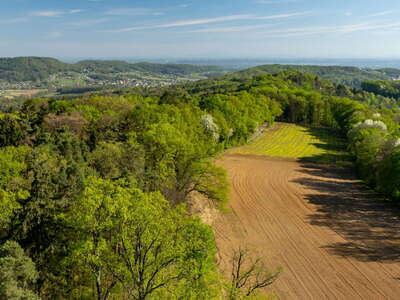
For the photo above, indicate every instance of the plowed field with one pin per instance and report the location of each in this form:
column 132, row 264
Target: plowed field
column 333, row 237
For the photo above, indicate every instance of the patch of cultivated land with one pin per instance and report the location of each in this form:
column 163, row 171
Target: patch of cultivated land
column 17, row 93
column 333, row 237
column 297, row 142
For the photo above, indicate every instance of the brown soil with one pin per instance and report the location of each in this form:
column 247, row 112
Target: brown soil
column 333, row 238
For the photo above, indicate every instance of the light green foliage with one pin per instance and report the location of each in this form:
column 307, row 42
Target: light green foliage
column 135, row 244
column 367, row 140
column 90, row 113
column 211, row 181
column 238, row 115
column 376, row 153
column 165, row 146
column 294, row 141
column 12, row 187
column 178, row 165
column 17, row 273
column 176, row 146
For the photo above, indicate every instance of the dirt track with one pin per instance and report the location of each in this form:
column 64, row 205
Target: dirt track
column 331, row 236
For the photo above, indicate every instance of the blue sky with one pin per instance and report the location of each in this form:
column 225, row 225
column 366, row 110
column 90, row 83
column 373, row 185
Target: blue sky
column 201, row 29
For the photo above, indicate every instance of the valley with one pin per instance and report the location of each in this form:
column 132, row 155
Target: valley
column 32, row 73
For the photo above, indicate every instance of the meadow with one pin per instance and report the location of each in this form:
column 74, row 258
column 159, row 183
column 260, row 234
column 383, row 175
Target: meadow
column 287, row 140
column 10, row 94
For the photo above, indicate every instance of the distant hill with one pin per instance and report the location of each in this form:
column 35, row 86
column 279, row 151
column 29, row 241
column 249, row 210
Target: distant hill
column 351, row 76
column 41, row 68
column 122, row 66
column 391, row 72
column 50, row 73
column 30, row 68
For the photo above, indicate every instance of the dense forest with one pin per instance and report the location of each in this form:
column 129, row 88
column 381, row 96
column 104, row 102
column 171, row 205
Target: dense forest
column 94, row 189
column 350, row 76
column 389, row 89
column 41, row 68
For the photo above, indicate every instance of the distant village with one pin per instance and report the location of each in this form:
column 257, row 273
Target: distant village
column 65, row 81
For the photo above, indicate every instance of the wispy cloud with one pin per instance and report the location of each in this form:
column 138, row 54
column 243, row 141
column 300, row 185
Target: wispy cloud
column 187, row 23
column 74, row 11
column 212, row 20
column 206, row 21
column 133, row 12
column 231, row 29
column 91, row 22
column 316, row 30
column 383, row 13
column 283, row 16
column 55, row 13
column 275, row 1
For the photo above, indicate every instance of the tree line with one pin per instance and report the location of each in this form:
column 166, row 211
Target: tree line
column 390, row 89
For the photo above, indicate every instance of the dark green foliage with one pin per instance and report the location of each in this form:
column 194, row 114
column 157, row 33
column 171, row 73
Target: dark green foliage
column 11, row 105
column 389, row 89
column 29, row 68
column 388, row 179
column 116, row 160
column 13, row 129
column 17, row 273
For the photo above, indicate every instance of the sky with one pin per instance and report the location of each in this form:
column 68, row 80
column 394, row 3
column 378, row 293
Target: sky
column 200, row 29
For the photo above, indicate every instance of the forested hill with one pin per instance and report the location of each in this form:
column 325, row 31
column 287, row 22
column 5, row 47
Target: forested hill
column 385, row 88
column 351, row 76
column 30, row 68
column 40, row 68
column 122, row 66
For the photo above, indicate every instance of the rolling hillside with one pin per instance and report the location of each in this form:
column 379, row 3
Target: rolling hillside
column 41, row 68
column 351, row 76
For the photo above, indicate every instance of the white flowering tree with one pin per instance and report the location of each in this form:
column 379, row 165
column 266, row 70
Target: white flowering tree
column 210, row 126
